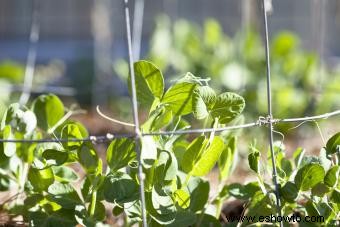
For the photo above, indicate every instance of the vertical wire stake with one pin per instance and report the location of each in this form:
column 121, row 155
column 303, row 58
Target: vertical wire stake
column 269, row 100
column 32, row 53
column 135, row 114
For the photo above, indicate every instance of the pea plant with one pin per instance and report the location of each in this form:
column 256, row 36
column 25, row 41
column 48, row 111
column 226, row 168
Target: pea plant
column 309, row 185
column 48, row 191
column 176, row 193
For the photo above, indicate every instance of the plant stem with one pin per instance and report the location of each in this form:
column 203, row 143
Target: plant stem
column 93, row 202
column 23, row 177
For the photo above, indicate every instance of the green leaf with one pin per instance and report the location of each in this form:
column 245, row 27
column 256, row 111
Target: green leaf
column 120, row 188
column 62, row 217
column 311, row 208
column 298, row 156
column 332, row 176
column 199, row 193
column 227, row 107
column 183, row 218
column 254, row 160
column 289, row 192
column 158, row 118
column 209, row 158
column 182, row 198
column 333, row 144
column 149, row 82
column 148, row 151
column 48, row 109
column 162, row 215
column 192, row 153
column 9, row 149
column 207, row 220
column 55, row 157
column 261, row 204
column 64, row 174
column 320, row 189
column 204, row 99
column 88, row 158
column 227, row 159
column 64, row 195
column 309, row 176
column 335, row 196
column 73, row 131
column 179, row 98
column 41, row 179
column 166, row 168
column 99, row 212
column 120, row 153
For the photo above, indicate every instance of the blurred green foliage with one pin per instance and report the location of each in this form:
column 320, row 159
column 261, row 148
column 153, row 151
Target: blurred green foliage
column 300, row 85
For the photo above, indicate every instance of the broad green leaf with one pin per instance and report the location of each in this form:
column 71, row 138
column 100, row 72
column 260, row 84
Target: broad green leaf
column 148, row 151
column 158, row 118
column 73, row 131
column 99, row 212
column 195, row 148
column 8, row 148
column 62, row 217
column 243, row 192
column 227, row 159
column 41, row 179
column 333, row 144
column 254, row 160
column 309, row 176
column 154, row 205
column 320, row 189
column 149, row 82
column 204, row 99
column 332, row 176
column 179, row 98
column 4, row 182
column 182, row 198
column 335, row 196
column 207, row 220
column 199, row 193
column 48, row 109
column 120, row 188
column 261, row 204
column 311, row 208
column 55, row 157
column 183, row 218
column 166, row 168
column 120, row 153
column 88, row 158
column 64, row 174
column 64, row 195
column 161, row 201
column 227, row 107
column 289, row 192
column 208, row 158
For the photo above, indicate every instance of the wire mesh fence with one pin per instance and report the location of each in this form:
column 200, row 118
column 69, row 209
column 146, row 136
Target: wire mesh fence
column 134, row 52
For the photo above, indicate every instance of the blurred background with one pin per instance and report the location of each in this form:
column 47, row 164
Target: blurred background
column 81, row 54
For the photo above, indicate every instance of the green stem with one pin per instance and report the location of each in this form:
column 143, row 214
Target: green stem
column 23, row 177
column 93, row 203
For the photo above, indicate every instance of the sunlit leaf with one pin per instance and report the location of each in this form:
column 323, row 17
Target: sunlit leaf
column 308, row 176
column 227, row 107
column 179, row 98
column 120, row 153
column 48, row 109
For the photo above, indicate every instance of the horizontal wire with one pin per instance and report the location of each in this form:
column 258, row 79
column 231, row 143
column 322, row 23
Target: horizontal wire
column 262, row 121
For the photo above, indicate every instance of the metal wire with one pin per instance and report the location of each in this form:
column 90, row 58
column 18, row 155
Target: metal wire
column 262, row 121
column 135, row 115
column 32, row 53
column 270, row 114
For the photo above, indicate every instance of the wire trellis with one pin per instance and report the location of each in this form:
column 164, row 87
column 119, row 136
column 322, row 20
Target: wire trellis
column 137, row 135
